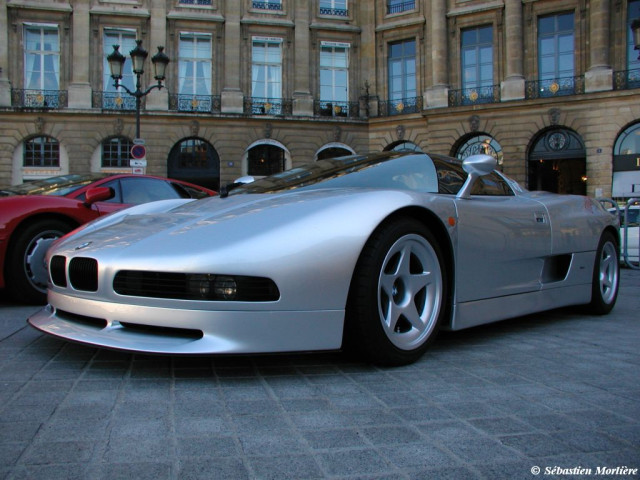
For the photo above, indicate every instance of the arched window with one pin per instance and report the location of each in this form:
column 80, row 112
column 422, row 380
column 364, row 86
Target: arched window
column 41, row 151
column 116, row 152
column 480, row 144
column 265, row 159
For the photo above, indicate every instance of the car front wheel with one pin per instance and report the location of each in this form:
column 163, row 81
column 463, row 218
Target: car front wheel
column 396, row 301
column 26, row 275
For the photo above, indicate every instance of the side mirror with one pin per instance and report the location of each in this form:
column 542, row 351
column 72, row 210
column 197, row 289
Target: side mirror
column 476, row 166
column 224, row 190
column 98, row 194
column 244, row 180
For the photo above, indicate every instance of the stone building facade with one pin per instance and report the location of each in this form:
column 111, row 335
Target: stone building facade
column 550, row 87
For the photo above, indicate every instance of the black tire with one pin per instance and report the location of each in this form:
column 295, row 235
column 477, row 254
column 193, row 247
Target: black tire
column 397, row 296
column 25, row 274
column 606, row 275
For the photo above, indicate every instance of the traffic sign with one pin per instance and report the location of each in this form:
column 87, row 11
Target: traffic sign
column 138, row 163
column 138, row 141
column 138, row 152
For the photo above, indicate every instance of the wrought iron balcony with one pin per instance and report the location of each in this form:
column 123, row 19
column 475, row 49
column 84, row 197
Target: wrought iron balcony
column 273, row 6
column 195, row 2
column 114, row 101
column 556, row 87
column 194, row 103
column 474, row 96
column 399, row 107
column 330, row 108
column 47, row 99
column 626, row 79
column 336, row 12
column 395, row 7
column 267, row 106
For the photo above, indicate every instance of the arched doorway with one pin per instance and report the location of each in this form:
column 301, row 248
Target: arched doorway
column 195, row 160
column 626, row 166
column 557, row 163
column 479, row 144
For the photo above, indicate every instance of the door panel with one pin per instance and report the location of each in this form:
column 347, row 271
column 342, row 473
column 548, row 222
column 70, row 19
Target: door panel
column 501, row 246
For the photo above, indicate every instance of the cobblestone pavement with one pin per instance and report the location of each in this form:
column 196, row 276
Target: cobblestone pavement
column 554, row 391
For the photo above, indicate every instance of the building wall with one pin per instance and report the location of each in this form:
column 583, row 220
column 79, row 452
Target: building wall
column 597, row 114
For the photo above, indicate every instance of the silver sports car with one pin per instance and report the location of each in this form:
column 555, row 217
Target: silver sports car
column 371, row 253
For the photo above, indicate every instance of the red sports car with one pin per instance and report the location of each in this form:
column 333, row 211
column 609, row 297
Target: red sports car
column 34, row 214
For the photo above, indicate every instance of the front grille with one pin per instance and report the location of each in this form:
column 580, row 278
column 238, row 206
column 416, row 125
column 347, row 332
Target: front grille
column 83, row 274
column 182, row 286
column 57, row 268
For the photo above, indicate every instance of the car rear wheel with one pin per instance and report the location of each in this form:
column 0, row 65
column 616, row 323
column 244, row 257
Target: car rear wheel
column 397, row 296
column 26, row 274
column 606, row 275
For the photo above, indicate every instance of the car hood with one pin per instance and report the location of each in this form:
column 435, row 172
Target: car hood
column 241, row 231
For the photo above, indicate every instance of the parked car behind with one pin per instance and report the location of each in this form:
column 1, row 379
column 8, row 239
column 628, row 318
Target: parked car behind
column 630, row 225
column 34, row 214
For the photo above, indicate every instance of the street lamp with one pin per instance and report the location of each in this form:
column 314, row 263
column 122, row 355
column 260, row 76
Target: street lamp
column 635, row 29
column 138, row 56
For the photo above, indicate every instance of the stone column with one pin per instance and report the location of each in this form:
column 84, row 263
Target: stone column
column 79, row 87
column 5, row 85
column 158, row 99
column 599, row 75
column 512, row 88
column 302, row 98
column 437, row 94
column 368, row 88
column 231, row 95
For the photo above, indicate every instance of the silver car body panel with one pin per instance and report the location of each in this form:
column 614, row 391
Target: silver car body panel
column 308, row 243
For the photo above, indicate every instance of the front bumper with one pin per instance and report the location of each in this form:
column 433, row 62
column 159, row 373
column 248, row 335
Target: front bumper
column 144, row 329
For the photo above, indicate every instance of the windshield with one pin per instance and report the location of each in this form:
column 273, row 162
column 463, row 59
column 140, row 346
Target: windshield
column 384, row 170
column 58, row 186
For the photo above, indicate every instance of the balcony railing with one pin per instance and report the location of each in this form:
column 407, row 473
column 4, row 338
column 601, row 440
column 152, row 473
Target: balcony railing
column 556, row 87
column 274, row 6
column 474, row 96
column 195, row 2
column 194, row 103
column 330, row 108
column 399, row 107
column 626, row 79
column 48, row 99
column 336, row 12
column 114, row 101
column 267, row 106
column 396, row 7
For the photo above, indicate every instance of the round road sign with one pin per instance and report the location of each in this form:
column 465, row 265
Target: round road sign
column 138, row 152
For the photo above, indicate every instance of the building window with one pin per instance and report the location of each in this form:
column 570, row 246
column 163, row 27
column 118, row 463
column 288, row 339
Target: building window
column 334, row 78
column 402, row 76
column 116, row 152
column 41, row 152
column 398, row 6
column 112, row 98
column 556, row 54
column 41, row 57
column 266, row 74
column 334, row 7
column 477, row 61
column 194, row 69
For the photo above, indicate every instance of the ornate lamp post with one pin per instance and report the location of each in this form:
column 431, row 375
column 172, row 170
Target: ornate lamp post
column 138, row 56
column 635, row 29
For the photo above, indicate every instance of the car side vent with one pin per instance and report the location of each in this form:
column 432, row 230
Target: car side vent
column 83, row 274
column 57, row 267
